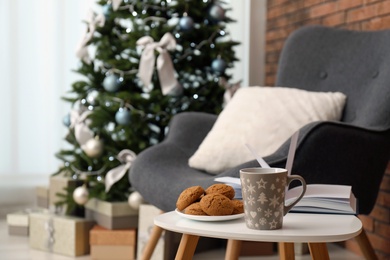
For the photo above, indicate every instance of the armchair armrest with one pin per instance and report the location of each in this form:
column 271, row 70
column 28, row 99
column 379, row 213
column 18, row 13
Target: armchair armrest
column 319, row 149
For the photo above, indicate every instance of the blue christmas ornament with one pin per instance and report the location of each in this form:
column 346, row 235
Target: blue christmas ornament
column 123, row 116
column 186, row 23
column 218, row 65
column 111, row 83
column 66, row 120
column 107, row 9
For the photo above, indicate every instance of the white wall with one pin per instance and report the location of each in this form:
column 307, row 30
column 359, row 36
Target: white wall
column 250, row 31
column 37, row 54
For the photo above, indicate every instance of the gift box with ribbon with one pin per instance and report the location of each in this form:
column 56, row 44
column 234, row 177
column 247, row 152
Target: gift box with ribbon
column 111, row 215
column 65, row 235
column 18, row 222
column 106, row 243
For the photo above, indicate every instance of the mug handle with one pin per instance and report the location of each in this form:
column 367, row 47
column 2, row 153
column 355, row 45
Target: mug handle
column 292, row 204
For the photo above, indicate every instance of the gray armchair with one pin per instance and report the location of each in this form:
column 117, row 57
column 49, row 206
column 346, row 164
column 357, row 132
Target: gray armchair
column 354, row 151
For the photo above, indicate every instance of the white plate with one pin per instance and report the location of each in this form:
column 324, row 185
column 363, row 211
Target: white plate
column 209, row 218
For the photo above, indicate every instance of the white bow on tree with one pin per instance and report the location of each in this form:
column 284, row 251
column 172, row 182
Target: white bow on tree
column 126, row 157
column 92, row 20
column 116, row 4
column 166, row 71
column 81, row 129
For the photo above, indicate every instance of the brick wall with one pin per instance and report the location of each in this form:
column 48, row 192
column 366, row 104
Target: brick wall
column 285, row 16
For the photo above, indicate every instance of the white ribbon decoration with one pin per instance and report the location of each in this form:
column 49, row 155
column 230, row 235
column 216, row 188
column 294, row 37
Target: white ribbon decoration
column 116, row 4
column 125, row 156
column 82, row 48
column 49, row 227
column 81, row 129
column 166, row 72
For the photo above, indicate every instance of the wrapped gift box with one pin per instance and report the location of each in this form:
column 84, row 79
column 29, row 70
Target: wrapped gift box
column 42, row 196
column 65, row 235
column 145, row 226
column 111, row 215
column 18, row 222
column 58, row 184
column 105, row 243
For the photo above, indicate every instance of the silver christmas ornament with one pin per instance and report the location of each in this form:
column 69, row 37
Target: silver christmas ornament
column 93, row 148
column 135, row 200
column 92, row 97
column 81, row 195
column 217, row 13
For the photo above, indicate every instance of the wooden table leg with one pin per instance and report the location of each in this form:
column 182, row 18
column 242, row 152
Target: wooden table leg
column 187, row 247
column 318, row 251
column 233, row 249
column 366, row 246
column 152, row 242
column 286, row 251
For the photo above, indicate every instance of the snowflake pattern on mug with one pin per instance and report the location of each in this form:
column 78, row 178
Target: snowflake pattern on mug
column 271, row 210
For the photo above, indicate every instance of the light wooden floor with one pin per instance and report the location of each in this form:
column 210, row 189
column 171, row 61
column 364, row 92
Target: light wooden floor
column 17, row 248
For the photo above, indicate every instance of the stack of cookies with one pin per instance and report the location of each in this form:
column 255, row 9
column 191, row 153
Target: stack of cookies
column 216, row 200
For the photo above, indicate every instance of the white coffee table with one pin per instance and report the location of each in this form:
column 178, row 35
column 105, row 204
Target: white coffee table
column 314, row 229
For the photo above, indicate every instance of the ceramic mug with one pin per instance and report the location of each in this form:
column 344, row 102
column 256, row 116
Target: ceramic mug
column 263, row 194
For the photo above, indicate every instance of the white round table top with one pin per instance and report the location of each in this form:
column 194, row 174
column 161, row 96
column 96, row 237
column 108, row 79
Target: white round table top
column 297, row 227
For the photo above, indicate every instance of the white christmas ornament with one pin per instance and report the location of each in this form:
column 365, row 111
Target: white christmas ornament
column 80, row 195
column 92, row 97
column 135, row 200
column 93, row 148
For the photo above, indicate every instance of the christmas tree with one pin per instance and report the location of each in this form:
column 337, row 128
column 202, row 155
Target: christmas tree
column 142, row 62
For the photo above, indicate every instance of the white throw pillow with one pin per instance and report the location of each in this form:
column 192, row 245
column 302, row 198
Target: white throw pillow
column 264, row 117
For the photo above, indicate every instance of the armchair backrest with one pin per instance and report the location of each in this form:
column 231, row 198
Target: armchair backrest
column 356, row 63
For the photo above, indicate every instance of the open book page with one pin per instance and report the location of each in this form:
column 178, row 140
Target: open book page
column 232, row 181
column 324, row 198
